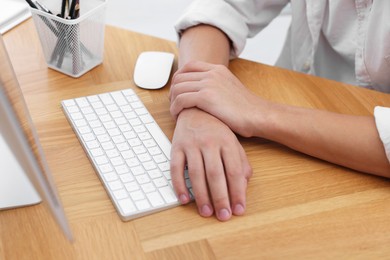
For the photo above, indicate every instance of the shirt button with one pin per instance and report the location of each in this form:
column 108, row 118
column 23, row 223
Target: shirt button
column 387, row 59
column 306, row 66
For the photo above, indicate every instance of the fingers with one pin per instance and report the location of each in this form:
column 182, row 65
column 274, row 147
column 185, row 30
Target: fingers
column 193, row 71
column 217, row 184
column 219, row 181
column 185, row 82
column 185, row 87
column 238, row 171
column 188, row 82
column 184, row 101
column 196, row 172
column 197, row 176
column 197, row 66
column 228, row 173
column 177, row 175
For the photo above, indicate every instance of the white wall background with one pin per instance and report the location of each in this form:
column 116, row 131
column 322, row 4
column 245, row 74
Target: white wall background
column 157, row 17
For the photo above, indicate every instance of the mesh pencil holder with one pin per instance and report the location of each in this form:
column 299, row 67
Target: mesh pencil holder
column 72, row 46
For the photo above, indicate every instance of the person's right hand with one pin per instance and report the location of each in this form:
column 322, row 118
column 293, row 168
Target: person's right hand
column 217, row 164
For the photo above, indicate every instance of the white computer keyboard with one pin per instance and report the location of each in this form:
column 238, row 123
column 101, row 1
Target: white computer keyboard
column 128, row 150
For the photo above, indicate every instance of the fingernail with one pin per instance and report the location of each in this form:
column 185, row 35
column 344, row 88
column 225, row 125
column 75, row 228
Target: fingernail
column 224, row 214
column 183, row 199
column 206, row 211
column 239, row 209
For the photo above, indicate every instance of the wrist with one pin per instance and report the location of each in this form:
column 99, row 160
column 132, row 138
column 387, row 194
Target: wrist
column 193, row 114
column 268, row 121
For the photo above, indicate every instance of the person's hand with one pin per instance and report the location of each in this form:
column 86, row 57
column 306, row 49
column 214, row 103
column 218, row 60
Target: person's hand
column 217, row 165
column 214, row 89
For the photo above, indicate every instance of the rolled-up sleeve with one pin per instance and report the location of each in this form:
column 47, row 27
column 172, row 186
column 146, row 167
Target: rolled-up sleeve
column 236, row 18
column 382, row 120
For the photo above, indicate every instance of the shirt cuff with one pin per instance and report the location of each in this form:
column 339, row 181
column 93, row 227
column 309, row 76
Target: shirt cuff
column 382, row 120
column 219, row 14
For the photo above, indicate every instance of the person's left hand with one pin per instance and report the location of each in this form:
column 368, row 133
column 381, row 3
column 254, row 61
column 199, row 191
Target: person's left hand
column 215, row 90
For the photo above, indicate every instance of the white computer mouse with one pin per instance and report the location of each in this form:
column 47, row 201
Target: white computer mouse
column 152, row 69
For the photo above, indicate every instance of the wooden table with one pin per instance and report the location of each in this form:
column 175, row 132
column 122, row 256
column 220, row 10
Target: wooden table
column 298, row 206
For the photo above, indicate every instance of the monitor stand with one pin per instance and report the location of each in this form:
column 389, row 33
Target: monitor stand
column 16, row 189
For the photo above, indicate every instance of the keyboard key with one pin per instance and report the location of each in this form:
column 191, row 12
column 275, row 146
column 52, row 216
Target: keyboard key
column 95, row 124
column 149, row 165
column 137, row 195
column 69, row 102
column 88, row 137
column 132, row 186
column 136, row 104
column 112, row 153
column 97, row 105
column 120, row 194
column 148, row 187
column 158, row 134
column 142, row 205
column 101, row 111
column 117, row 160
column 155, row 173
column 132, row 162
column 119, row 98
column 142, row 179
column 105, row 168
column 112, row 107
column 127, row 154
column 84, row 129
column 106, row 98
column 96, row 152
column 142, row 111
column 76, row 116
column 101, row 159
column 92, row 144
column 127, row 177
column 108, row 145
column 121, row 169
column 127, row 206
column 115, row 185
column 80, row 122
column 99, row 131
column 90, row 117
column 155, row 199
column 103, row 138
column 73, row 109
column 168, row 194
column 137, row 170
column 93, row 98
column 164, row 166
column 87, row 110
column 160, row 182
column 159, row 158
column 82, row 102
column 111, row 176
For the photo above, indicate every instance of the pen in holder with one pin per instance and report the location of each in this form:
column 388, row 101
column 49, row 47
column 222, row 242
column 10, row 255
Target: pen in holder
column 72, row 46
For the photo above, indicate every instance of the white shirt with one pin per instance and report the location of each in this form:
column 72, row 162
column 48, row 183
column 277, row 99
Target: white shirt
column 344, row 40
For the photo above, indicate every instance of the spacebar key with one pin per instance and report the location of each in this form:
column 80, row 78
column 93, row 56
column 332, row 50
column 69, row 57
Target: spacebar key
column 161, row 139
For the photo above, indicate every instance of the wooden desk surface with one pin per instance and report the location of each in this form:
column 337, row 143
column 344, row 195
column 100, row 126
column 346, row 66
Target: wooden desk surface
column 298, row 206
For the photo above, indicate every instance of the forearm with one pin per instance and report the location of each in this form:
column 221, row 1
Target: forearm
column 347, row 140
column 204, row 43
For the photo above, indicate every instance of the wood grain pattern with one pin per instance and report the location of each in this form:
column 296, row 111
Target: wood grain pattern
column 298, row 206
